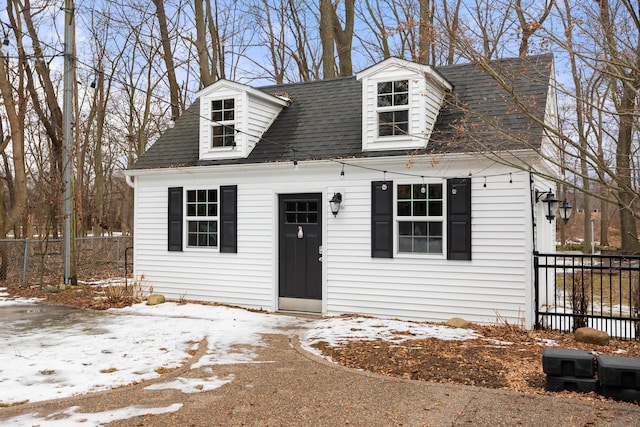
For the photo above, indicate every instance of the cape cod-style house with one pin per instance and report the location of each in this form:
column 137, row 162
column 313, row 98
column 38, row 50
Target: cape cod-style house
column 380, row 194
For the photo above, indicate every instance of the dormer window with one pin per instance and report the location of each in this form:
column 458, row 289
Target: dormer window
column 393, row 108
column 223, row 132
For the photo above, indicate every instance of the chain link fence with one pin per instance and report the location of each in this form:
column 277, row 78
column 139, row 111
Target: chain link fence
column 42, row 261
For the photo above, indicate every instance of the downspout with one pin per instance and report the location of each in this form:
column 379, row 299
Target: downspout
column 533, row 206
column 129, row 180
column 534, row 257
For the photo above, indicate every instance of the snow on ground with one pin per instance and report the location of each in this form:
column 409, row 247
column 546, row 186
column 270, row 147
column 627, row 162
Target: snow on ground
column 76, row 351
column 88, row 351
column 71, row 416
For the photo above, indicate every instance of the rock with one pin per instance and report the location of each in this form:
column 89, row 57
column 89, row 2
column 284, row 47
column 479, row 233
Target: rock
column 50, row 289
column 155, row 299
column 591, row 336
column 456, row 322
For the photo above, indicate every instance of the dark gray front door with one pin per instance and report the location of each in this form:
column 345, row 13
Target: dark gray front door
column 300, row 257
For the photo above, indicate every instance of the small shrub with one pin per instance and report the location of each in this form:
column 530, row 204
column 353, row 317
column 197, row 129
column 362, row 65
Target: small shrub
column 580, row 298
column 121, row 296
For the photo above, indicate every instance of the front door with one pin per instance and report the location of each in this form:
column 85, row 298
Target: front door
column 300, row 252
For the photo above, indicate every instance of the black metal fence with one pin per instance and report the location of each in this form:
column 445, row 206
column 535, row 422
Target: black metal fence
column 599, row 291
column 42, row 261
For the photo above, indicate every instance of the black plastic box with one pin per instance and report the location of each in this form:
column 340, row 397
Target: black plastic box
column 619, row 393
column 619, row 371
column 562, row 362
column 583, row 385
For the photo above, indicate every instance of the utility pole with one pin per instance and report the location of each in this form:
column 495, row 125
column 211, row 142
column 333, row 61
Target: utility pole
column 69, row 217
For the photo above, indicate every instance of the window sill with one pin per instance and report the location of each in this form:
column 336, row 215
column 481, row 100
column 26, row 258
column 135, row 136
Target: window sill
column 394, row 143
column 202, row 249
column 419, row 255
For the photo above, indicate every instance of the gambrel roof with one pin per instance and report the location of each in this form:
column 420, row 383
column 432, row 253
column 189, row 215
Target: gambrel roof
column 324, row 119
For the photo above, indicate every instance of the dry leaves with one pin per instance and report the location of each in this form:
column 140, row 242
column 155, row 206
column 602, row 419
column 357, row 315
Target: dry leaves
column 504, row 358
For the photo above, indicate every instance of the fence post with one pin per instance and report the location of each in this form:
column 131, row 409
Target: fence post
column 117, row 253
column 25, row 261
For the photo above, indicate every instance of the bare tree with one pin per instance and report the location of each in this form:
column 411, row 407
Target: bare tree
column 207, row 58
column 529, row 25
column 165, row 39
column 427, row 33
column 623, row 68
column 335, row 38
column 527, row 31
column 598, row 144
column 13, row 88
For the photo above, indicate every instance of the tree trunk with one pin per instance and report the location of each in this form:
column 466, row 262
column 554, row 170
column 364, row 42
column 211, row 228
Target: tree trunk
column 426, row 32
column 344, row 38
column 627, row 199
column 99, row 222
column 15, row 105
column 327, row 39
column 207, row 76
column 218, row 67
column 604, row 223
column 529, row 27
column 452, row 30
column 174, row 89
column 300, row 36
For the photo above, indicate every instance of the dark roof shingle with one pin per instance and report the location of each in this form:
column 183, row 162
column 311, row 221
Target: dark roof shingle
column 324, row 120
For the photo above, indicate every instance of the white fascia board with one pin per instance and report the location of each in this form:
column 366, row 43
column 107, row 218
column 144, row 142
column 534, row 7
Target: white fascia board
column 239, row 87
column 528, row 158
column 414, row 67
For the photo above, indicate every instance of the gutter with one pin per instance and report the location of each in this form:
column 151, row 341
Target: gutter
column 129, row 180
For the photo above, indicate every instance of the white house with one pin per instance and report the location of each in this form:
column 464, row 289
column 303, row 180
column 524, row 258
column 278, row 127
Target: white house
column 233, row 204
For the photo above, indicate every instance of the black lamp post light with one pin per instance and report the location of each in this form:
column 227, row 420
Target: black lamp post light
column 553, row 205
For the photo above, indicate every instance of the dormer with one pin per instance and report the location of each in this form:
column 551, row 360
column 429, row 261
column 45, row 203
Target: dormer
column 401, row 101
column 233, row 117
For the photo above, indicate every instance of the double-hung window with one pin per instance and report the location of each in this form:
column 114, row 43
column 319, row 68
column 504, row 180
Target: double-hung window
column 202, row 218
column 393, row 108
column 419, row 214
column 223, row 128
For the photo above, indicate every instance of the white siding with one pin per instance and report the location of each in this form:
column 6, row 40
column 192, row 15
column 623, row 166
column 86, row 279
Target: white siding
column 495, row 284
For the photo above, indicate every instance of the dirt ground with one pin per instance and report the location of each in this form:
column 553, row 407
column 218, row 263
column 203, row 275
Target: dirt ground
column 505, row 357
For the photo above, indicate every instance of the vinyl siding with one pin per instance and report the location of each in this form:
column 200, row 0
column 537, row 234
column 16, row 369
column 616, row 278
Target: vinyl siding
column 496, row 283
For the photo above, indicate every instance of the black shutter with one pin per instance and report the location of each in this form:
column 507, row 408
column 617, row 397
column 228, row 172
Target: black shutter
column 229, row 218
column 174, row 236
column 382, row 219
column 459, row 218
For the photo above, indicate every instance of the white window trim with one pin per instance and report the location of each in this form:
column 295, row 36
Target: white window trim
column 391, row 108
column 215, row 124
column 396, row 222
column 371, row 120
column 186, row 219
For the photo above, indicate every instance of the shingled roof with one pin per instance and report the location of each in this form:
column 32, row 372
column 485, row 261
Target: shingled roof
column 324, row 120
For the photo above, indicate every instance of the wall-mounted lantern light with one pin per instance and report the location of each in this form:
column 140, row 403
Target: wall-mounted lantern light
column 550, row 200
column 565, row 210
column 335, row 203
